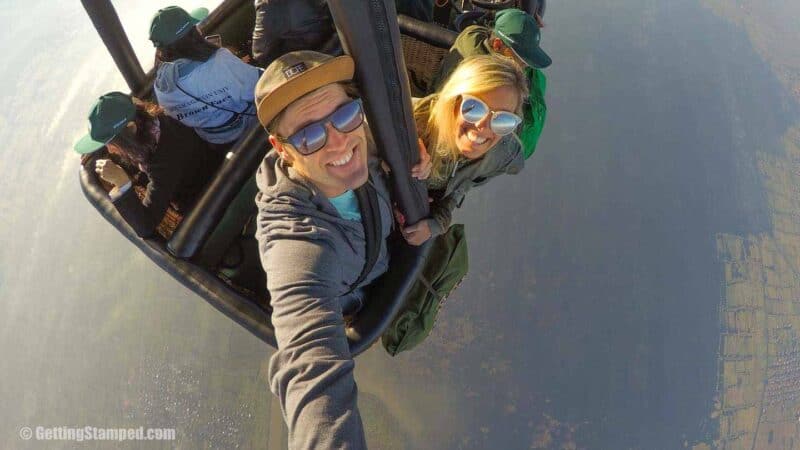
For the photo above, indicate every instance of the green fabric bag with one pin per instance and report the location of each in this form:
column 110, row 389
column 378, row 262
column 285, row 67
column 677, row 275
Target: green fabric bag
column 446, row 265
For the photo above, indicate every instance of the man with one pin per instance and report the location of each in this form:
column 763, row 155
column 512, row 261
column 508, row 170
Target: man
column 418, row 9
column 283, row 26
column 516, row 35
column 312, row 241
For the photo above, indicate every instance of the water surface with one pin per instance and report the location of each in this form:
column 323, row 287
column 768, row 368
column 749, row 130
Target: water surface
column 590, row 317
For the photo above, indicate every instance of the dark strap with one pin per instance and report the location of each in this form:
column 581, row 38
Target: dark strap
column 371, row 219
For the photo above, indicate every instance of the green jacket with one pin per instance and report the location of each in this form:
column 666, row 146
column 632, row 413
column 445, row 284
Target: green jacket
column 471, row 42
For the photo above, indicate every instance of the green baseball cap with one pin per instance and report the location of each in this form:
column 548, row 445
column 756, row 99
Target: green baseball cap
column 106, row 119
column 172, row 23
column 294, row 75
column 520, row 32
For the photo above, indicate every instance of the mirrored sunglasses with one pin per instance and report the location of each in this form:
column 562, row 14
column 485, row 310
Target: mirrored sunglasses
column 312, row 137
column 473, row 110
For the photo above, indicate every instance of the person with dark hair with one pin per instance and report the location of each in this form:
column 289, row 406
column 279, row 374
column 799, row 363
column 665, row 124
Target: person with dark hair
column 198, row 83
column 284, row 26
column 178, row 164
column 516, row 35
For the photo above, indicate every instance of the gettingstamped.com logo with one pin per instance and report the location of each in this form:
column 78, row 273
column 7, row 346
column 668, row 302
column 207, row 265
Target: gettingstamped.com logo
column 90, row 433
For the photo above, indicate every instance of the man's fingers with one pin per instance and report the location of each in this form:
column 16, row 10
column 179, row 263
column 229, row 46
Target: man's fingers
column 401, row 219
column 409, row 235
column 412, row 236
column 422, row 169
column 414, row 240
column 414, row 228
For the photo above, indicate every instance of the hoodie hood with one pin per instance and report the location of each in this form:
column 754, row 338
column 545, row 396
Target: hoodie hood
column 169, row 73
column 292, row 210
column 282, row 192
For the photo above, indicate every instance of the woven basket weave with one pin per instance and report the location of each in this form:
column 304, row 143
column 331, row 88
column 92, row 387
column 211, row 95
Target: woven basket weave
column 172, row 218
column 422, row 62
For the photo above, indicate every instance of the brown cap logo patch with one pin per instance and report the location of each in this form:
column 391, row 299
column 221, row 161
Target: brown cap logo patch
column 295, row 70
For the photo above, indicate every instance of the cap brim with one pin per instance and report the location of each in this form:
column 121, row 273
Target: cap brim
column 537, row 59
column 338, row 69
column 88, row 145
column 199, row 14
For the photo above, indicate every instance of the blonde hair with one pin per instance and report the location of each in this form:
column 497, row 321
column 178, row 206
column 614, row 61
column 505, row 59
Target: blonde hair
column 436, row 114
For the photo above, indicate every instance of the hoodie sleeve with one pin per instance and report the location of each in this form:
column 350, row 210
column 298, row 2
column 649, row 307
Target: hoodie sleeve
column 507, row 158
column 311, row 373
column 442, row 213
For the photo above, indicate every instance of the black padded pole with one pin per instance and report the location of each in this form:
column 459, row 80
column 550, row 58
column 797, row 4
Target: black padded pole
column 369, row 33
column 243, row 161
column 106, row 22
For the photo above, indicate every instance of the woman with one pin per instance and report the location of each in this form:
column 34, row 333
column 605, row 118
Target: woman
column 198, row 83
column 468, row 129
column 178, row 164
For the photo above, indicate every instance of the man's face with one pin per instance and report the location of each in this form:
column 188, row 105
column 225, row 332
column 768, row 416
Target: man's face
column 502, row 49
column 341, row 164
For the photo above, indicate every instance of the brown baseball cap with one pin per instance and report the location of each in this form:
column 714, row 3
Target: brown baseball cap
column 294, row 75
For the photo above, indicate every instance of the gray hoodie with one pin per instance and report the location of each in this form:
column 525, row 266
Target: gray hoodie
column 311, row 256
column 224, row 86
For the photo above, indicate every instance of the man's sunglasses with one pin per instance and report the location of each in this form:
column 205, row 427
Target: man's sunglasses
column 312, row 137
column 473, row 110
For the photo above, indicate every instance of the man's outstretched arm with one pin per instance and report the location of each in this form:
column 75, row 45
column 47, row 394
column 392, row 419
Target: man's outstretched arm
column 312, row 370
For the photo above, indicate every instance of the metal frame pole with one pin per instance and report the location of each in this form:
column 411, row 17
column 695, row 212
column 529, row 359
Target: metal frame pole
column 108, row 26
column 369, row 33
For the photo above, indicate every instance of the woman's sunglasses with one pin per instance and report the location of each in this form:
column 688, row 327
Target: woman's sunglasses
column 312, row 137
column 473, row 110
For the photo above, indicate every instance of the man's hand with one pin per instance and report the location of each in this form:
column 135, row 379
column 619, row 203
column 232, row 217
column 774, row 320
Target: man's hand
column 423, row 169
column 418, row 233
column 111, row 172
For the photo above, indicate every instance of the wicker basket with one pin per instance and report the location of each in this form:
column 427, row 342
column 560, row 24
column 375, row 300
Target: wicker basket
column 172, row 218
column 422, row 62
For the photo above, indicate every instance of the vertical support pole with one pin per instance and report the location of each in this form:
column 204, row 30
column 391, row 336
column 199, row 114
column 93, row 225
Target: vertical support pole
column 108, row 26
column 369, row 33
